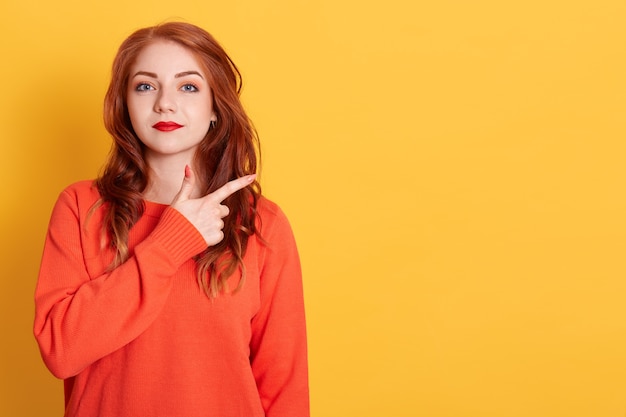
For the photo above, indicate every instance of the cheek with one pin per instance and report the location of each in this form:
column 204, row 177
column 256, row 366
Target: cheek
column 136, row 119
column 131, row 107
column 136, row 111
column 206, row 103
column 201, row 112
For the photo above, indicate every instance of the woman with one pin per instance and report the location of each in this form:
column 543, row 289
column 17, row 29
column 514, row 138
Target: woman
column 169, row 286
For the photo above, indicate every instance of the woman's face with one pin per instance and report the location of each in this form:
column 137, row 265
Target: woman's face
column 169, row 101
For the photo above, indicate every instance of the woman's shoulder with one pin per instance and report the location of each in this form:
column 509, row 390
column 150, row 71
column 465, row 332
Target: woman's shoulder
column 271, row 215
column 265, row 205
column 82, row 192
column 82, row 188
column 267, row 208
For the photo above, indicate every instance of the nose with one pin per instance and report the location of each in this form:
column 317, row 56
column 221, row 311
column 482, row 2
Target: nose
column 165, row 102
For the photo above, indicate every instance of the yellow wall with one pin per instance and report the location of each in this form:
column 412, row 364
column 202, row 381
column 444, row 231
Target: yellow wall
column 454, row 172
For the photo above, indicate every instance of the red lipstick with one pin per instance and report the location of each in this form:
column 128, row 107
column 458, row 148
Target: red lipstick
column 166, row 126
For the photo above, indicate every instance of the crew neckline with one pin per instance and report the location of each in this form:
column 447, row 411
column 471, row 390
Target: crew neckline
column 154, row 209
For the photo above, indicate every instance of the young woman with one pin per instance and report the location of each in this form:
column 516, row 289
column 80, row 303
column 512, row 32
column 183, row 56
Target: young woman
column 169, row 286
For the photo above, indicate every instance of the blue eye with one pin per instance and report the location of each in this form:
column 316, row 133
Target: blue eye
column 143, row 87
column 190, row 88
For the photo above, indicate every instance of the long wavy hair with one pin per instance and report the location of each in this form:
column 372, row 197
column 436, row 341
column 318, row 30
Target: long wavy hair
column 228, row 151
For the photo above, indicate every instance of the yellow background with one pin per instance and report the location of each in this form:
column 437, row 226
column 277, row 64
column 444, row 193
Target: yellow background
column 453, row 170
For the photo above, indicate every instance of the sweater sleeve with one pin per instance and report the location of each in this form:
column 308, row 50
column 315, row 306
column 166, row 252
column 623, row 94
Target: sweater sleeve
column 278, row 344
column 79, row 319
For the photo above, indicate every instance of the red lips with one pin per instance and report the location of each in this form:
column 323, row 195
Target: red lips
column 166, row 126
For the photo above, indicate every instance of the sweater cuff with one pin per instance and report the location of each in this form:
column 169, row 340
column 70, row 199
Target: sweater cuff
column 180, row 239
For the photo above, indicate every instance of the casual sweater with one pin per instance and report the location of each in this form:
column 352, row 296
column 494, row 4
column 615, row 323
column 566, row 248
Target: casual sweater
column 145, row 340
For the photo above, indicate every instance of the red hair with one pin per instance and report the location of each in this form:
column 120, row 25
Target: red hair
column 228, row 151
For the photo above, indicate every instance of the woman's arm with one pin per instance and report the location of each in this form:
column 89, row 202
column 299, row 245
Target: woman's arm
column 80, row 319
column 278, row 345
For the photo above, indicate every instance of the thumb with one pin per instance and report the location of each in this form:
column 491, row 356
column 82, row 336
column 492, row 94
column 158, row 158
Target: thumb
column 187, row 186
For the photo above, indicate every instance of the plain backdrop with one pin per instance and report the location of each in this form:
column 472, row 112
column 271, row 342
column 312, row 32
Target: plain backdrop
column 453, row 171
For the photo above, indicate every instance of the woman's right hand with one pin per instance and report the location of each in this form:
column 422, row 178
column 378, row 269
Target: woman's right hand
column 206, row 213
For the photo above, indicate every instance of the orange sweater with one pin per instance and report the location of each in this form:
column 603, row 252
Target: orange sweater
column 144, row 339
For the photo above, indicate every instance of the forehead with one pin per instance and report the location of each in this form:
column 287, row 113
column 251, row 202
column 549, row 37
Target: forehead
column 165, row 57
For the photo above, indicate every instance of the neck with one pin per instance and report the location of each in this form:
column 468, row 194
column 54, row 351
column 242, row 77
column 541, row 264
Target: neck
column 165, row 178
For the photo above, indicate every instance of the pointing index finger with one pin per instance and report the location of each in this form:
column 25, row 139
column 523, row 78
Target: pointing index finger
column 231, row 187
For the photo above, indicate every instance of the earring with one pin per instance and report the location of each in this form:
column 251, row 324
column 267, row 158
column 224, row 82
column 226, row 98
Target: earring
column 212, row 124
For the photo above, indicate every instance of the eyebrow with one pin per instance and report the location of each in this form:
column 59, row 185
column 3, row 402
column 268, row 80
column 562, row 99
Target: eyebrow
column 179, row 75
